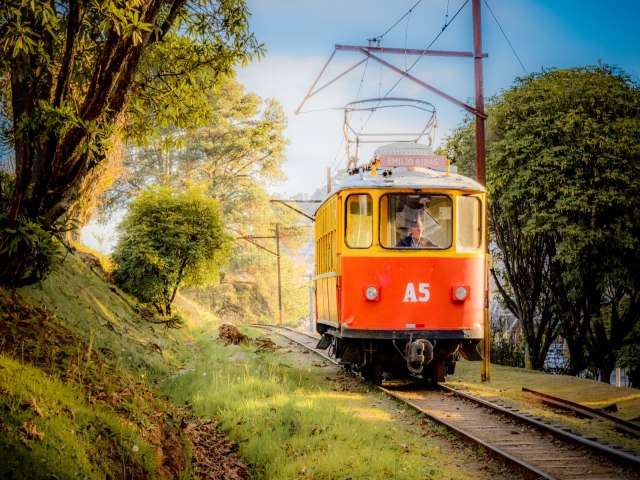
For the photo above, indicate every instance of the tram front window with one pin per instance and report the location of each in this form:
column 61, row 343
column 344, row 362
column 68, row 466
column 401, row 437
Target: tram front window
column 469, row 221
column 415, row 221
column 359, row 225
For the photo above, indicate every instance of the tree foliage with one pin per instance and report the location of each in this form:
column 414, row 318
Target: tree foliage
column 520, row 259
column 235, row 155
column 169, row 239
column 563, row 174
column 82, row 72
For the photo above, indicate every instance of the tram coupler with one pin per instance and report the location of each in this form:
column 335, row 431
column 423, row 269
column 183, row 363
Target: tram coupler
column 419, row 351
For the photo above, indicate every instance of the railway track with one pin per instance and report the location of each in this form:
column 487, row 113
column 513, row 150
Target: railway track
column 531, row 446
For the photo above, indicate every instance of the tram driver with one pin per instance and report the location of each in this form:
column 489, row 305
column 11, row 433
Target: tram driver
column 415, row 238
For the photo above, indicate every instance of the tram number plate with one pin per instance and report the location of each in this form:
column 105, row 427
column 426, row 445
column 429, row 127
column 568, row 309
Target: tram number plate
column 419, row 294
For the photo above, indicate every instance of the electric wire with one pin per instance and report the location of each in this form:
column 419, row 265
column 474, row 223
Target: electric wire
column 379, row 37
column 335, row 159
column 446, row 16
column 505, row 37
column 444, row 27
column 427, row 48
column 406, row 37
column 364, row 72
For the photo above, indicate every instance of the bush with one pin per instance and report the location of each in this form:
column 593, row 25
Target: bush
column 507, row 349
column 169, row 239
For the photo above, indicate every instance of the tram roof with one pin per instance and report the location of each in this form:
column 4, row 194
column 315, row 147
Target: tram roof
column 402, row 178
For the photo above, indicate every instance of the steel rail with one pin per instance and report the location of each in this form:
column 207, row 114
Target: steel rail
column 558, row 431
column 518, row 464
column 618, row 423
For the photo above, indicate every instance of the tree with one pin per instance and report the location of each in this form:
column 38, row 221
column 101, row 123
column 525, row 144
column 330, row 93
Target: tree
column 237, row 153
column 169, row 239
column 574, row 137
column 522, row 278
column 564, row 183
column 83, row 72
column 521, row 260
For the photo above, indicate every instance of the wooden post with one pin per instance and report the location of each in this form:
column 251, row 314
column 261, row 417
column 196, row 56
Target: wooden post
column 485, row 373
column 279, row 281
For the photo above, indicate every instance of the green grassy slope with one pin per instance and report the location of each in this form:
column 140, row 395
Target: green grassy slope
column 77, row 372
column 90, row 389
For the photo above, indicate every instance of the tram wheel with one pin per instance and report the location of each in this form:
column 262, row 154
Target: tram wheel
column 434, row 373
column 439, row 371
column 372, row 372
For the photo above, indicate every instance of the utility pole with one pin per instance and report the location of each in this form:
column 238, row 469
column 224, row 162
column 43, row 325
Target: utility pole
column 485, row 370
column 251, row 239
column 279, row 281
column 479, row 91
column 300, row 212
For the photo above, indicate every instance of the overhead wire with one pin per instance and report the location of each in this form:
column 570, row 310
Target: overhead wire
column 428, row 47
column 505, row 37
column 407, row 70
column 446, row 16
column 380, row 37
column 335, row 159
column 364, row 72
column 406, row 36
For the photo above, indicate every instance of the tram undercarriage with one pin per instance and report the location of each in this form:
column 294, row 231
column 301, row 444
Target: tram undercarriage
column 428, row 360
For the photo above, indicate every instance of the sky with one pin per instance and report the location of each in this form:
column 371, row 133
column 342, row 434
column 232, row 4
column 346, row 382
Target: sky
column 300, row 36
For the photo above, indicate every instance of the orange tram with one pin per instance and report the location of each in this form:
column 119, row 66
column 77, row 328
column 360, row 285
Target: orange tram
column 401, row 267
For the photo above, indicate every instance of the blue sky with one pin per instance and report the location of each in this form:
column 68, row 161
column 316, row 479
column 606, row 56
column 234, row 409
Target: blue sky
column 300, row 36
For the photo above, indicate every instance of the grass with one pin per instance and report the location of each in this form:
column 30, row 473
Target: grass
column 78, row 295
column 291, row 420
column 88, row 389
column 506, row 383
column 51, row 431
column 77, row 374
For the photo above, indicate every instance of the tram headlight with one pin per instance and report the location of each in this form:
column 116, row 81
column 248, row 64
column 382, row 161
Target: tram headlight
column 372, row 294
column 460, row 293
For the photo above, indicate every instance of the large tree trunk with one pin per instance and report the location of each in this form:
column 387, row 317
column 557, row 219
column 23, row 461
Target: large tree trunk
column 50, row 168
column 525, row 265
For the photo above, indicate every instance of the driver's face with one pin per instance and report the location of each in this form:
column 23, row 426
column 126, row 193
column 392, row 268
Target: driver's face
column 416, row 232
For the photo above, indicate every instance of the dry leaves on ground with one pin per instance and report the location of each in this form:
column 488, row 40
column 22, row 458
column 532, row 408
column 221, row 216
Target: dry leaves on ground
column 230, row 335
column 215, row 457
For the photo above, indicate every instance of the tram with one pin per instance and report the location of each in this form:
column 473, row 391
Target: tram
column 401, row 266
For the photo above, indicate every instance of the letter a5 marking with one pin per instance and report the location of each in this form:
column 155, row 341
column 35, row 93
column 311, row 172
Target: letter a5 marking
column 423, row 294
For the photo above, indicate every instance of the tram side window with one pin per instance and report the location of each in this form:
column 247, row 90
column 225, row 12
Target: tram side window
column 359, row 221
column 469, row 218
column 416, row 221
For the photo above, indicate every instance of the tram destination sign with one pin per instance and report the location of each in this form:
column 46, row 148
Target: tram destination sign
column 435, row 162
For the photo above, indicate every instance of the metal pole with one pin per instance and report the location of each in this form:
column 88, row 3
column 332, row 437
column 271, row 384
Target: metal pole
column 279, row 282
column 311, row 309
column 477, row 67
column 485, row 373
